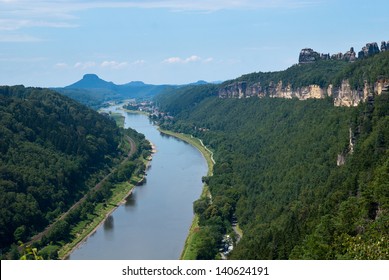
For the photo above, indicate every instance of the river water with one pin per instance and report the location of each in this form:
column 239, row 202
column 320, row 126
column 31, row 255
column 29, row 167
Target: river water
column 155, row 220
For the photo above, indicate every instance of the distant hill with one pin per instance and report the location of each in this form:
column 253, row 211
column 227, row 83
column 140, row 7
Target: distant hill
column 91, row 81
column 93, row 91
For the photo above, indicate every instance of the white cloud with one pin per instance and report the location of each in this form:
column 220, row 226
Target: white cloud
column 114, row 64
column 84, row 65
column 53, row 13
column 172, row 60
column 139, row 62
column 18, row 38
column 61, row 65
column 193, row 58
column 208, row 60
column 15, row 24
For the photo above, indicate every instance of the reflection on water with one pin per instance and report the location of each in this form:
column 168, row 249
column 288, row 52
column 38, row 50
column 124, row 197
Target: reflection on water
column 131, row 200
column 108, row 223
column 167, row 136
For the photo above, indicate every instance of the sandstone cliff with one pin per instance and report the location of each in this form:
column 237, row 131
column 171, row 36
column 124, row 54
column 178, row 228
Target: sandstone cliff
column 312, row 80
column 343, row 95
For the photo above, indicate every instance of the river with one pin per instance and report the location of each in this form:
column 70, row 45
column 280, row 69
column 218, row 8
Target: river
column 155, row 220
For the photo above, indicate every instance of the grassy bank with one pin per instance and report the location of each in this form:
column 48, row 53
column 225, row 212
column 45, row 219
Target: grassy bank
column 86, row 228
column 119, row 119
column 208, row 155
column 189, row 251
column 135, row 112
column 101, row 211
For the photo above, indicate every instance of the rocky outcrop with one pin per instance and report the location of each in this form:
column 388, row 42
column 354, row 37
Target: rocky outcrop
column 369, row 50
column 381, row 85
column 308, row 55
column 384, row 46
column 350, row 55
column 343, row 95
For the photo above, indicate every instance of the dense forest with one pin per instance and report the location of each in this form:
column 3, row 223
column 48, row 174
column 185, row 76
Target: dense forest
column 53, row 150
column 278, row 170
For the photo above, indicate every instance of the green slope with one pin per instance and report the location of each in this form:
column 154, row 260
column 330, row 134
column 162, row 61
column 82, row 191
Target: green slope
column 53, row 150
column 276, row 168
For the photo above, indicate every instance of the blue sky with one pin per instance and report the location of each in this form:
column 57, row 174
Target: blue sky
column 54, row 43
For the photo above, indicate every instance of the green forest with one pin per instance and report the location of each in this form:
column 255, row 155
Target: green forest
column 324, row 73
column 277, row 168
column 53, row 151
column 303, row 179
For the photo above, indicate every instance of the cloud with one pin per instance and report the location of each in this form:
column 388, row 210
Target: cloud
column 15, row 24
column 208, row 60
column 114, row 64
column 84, row 65
column 107, row 64
column 139, row 62
column 22, row 14
column 58, row 10
column 177, row 60
column 172, row 60
column 61, row 65
column 192, row 58
column 18, row 38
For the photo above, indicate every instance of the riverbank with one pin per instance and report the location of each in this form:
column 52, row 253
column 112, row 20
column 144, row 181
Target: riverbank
column 102, row 211
column 197, row 143
column 189, row 250
column 135, row 112
column 121, row 191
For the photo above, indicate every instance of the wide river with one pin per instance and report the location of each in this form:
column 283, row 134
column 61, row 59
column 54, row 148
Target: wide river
column 155, row 220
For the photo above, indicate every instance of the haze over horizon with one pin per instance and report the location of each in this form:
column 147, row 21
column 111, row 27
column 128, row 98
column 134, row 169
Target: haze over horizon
column 53, row 44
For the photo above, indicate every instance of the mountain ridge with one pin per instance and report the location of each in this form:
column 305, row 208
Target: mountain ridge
column 93, row 91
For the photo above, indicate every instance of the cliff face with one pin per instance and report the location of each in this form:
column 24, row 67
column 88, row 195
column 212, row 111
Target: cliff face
column 343, row 95
column 263, row 84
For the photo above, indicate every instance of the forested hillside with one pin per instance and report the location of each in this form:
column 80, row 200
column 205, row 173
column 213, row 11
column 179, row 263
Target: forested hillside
column 325, row 72
column 278, row 171
column 52, row 151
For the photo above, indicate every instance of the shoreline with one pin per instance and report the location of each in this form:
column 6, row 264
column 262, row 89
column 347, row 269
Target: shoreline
column 93, row 231
column 91, row 228
column 208, row 155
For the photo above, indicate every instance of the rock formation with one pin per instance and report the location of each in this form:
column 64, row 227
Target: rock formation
column 369, row 50
column 384, row 46
column 308, row 55
column 350, row 55
column 343, row 95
